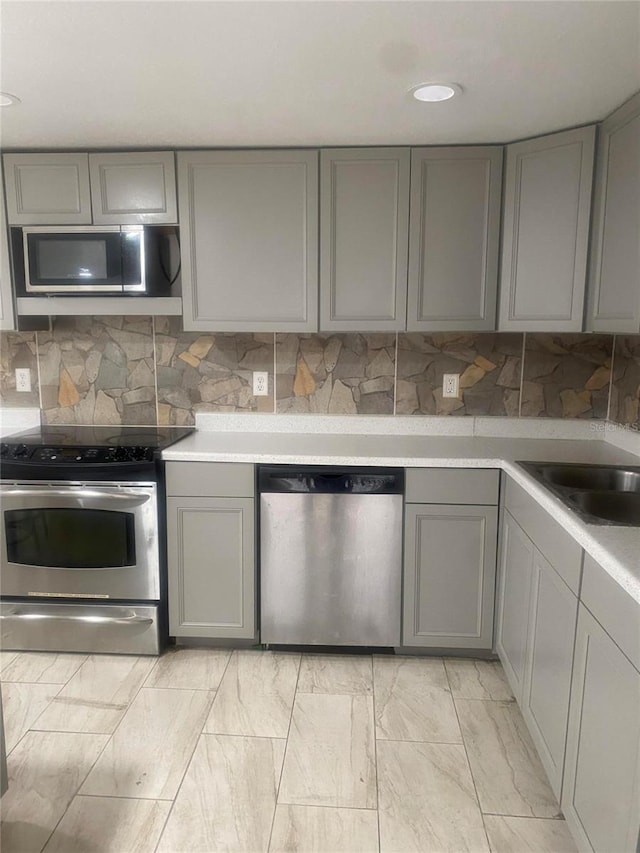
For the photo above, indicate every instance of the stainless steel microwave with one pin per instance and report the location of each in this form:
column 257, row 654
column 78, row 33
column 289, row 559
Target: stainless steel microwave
column 67, row 260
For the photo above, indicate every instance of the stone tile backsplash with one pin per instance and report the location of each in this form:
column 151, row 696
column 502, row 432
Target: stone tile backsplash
column 489, row 365
column 566, row 375
column 208, row 372
column 343, row 374
column 625, row 391
column 143, row 370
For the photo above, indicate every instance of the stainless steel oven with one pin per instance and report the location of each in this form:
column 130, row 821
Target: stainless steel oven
column 82, row 542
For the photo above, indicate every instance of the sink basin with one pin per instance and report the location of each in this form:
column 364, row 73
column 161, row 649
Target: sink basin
column 599, row 478
column 615, row 507
column 599, row 494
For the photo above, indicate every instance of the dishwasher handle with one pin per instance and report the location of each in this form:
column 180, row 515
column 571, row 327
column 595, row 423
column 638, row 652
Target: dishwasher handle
column 331, row 480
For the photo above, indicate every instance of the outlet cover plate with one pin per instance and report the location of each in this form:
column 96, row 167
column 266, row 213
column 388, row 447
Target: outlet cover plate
column 260, row 383
column 451, row 385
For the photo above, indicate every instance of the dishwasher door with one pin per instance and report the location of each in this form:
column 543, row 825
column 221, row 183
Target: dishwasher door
column 331, row 567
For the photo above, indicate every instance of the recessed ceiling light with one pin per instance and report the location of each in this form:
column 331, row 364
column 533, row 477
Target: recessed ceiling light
column 7, row 100
column 435, row 91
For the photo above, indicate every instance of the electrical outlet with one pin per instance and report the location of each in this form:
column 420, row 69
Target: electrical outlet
column 451, row 385
column 260, row 383
column 23, row 379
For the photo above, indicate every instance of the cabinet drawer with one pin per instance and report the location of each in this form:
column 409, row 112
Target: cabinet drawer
column 558, row 546
column 211, row 479
column 452, row 486
column 613, row 607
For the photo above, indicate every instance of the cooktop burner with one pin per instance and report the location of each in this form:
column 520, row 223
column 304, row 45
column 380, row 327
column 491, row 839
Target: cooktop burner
column 156, row 438
column 70, row 445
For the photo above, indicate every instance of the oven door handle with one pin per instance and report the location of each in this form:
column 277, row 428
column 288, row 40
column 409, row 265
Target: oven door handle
column 125, row 499
column 112, row 620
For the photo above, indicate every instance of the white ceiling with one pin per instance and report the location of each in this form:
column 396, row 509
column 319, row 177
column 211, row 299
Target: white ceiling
column 122, row 73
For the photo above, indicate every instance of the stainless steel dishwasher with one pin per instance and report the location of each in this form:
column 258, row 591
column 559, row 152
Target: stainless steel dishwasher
column 330, row 555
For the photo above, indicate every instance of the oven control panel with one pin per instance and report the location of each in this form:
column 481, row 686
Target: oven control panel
column 70, row 455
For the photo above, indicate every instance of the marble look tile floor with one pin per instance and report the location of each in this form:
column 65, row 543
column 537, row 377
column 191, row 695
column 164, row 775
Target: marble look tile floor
column 207, row 750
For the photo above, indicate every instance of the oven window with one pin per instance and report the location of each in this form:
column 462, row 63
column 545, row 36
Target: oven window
column 61, row 259
column 70, row 538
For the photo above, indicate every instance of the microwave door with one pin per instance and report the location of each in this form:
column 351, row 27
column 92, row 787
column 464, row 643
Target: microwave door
column 75, row 260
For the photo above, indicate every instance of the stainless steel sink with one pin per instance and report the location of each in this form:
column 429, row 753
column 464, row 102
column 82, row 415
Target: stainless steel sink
column 600, row 478
column 616, row 507
column 599, row 494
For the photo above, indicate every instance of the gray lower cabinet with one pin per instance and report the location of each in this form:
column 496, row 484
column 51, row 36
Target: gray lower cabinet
column 4, row 776
column 615, row 260
column 545, row 702
column 601, row 792
column 547, row 204
column 449, row 558
column 47, row 189
column 364, row 212
column 211, row 550
column 453, row 238
column 536, row 626
column 515, row 571
column 249, row 228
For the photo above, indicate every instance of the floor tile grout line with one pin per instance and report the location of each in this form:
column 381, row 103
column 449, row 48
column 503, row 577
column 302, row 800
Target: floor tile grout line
column 32, row 726
column 284, row 754
column 373, row 698
column 195, row 746
column 525, row 816
column 466, row 752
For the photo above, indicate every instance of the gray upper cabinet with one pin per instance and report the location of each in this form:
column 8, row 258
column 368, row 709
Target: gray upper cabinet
column 547, row 202
column 47, row 189
column 364, row 212
column 249, row 224
column 6, row 297
column 133, row 188
column 453, row 238
column 614, row 284
column 116, row 188
column 601, row 788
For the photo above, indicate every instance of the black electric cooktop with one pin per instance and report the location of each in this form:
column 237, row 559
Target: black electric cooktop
column 88, row 444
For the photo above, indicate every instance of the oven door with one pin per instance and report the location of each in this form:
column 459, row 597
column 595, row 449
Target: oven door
column 80, row 540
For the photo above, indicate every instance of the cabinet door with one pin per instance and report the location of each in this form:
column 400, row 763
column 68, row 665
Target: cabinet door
column 211, row 553
column 545, row 705
column 131, row 188
column 249, row 223
column 615, row 260
column 516, row 566
column 364, row 218
column 453, row 238
column 47, row 189
column 601, row 789
column 449, row 575
column 6, row 296
column 547, row 202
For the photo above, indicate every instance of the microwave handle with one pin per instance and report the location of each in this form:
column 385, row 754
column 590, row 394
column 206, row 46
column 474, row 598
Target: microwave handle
column 134, row 262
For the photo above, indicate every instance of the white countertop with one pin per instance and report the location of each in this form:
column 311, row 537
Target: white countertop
column 616, row 548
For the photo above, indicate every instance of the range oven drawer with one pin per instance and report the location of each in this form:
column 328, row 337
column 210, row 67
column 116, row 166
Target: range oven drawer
column 111, row 629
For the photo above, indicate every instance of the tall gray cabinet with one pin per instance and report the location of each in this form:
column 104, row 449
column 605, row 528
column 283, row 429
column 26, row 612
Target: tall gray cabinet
column 449, row 558
column 364, row 213
column 249, row 229
column 545, row 231
column 453, row 238
column 614, row 283
column 211, row 549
